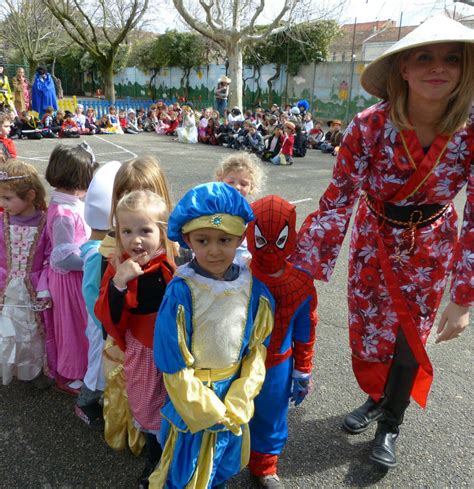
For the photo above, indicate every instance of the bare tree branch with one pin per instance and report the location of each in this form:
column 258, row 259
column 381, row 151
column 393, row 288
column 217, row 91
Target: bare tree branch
column 248, row 31
column 257, row 13
column 30, row 29
column 234, row 24
column 208, row 10
column 196, row 24
column 99, row 27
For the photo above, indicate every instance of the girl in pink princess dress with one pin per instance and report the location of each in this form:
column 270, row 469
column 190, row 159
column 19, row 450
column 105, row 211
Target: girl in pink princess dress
column 24, row 254
column 70, row 171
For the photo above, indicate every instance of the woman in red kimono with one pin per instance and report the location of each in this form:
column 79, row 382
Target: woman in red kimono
column 405, row 158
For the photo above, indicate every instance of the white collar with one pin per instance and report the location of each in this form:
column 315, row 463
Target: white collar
column 66, row 199
column 216, row 286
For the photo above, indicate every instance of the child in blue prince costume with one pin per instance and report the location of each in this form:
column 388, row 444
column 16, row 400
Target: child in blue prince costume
column 210, row 338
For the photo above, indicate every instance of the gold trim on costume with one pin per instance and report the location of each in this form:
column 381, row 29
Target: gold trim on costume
column 202, row 474
column 181, row 325
column 157, row 479
column 432, row 168
column 227, row 223
column 405, row 146
column 210, row 375
column 119, row 427
column 245, row 450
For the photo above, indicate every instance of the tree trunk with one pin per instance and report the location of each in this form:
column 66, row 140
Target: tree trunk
column 184, row 82
column 234, row 53
column 270, row 83
column 151, row 84
column 108, row 74
column 32, row 65
column 258, row 93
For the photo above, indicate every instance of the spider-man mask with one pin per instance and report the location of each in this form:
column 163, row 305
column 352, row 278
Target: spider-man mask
column 271, row 237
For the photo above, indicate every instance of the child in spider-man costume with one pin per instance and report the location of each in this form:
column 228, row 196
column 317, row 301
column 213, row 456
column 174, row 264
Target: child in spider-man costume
column 271, row 239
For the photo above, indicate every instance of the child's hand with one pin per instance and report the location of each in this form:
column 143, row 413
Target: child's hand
column 301, row 386
column 453, row 322
column 130, row 269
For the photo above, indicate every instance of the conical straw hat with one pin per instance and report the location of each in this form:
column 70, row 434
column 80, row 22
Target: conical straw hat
column 435, row 30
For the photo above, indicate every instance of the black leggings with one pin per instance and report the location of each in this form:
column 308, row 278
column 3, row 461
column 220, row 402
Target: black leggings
column 400, row 381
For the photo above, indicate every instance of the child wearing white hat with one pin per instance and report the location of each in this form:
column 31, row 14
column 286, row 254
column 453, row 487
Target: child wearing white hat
column 97, row 209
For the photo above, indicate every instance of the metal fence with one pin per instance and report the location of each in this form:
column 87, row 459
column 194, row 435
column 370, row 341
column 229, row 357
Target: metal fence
column 10, row 70
column 101, row 106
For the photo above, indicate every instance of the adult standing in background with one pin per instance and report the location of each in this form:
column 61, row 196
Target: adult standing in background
column 6, row 100
column 43, row 93
column 21, row 91
column 407, row 157
column 222, row 94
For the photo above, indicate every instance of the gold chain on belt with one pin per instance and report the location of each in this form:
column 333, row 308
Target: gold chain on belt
column 411, row 225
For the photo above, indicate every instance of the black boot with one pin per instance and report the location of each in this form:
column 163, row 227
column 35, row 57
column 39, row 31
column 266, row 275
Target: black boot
column 394, row 403
column 153, row 455
column 361, row 418
column 383, row 449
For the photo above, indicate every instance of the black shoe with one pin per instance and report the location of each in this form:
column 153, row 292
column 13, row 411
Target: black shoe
column 153, row 455
column 92, row 415
column 361, row 418
column 383, row 449
column 147, row 471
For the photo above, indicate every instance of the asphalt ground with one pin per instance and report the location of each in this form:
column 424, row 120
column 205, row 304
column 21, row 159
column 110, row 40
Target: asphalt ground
column 44, row 445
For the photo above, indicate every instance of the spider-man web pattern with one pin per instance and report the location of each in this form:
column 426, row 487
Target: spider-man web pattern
column 271, row 238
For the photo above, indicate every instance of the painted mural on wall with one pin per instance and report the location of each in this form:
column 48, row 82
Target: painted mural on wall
column 327, row 86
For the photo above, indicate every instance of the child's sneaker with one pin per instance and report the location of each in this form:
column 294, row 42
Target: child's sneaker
column 92, row 415
column 271, row 481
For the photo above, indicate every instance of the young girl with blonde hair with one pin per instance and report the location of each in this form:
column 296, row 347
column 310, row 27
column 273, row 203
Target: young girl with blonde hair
column 243, row 172
column 131, row 293
column 142, row 173
column 24, row 255
column 407, row 158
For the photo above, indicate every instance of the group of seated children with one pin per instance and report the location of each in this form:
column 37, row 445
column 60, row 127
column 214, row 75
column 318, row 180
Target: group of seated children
column 275, row 134
column 65, row 124
column 168, row 357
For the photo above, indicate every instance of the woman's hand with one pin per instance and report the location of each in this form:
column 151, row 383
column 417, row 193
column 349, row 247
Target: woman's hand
column 453, row 322
column 130, row 269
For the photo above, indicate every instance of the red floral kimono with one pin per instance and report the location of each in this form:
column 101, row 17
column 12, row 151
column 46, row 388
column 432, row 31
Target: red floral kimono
column 393, row 282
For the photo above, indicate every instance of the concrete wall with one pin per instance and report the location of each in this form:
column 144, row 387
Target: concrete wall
column 325, row 85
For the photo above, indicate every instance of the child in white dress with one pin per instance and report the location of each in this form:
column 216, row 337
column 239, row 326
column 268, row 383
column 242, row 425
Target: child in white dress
column 24, row 255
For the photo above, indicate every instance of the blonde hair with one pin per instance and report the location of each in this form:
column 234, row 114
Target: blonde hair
column 154, row 206
column 459, row 102
column 21, row 186
column 5, row 116
column 142, row 173
column 242, row 162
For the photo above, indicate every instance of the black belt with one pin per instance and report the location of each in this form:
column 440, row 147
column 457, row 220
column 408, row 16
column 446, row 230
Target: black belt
column 405, row 216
